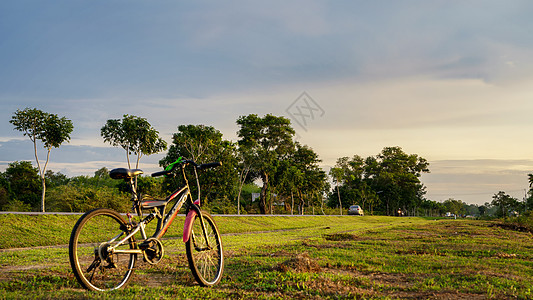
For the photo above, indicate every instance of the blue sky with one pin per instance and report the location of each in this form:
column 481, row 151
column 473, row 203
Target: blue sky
column 448, row 80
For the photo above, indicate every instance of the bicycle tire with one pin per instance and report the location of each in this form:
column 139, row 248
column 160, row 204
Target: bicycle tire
column 207, row 265
column 89, row 241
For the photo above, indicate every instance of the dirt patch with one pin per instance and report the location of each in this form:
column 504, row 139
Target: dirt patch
column 511, row 226
column 299, row 263
column 340, row 237
column 321, row 245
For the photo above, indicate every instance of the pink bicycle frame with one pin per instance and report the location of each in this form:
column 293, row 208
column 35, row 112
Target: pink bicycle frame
column 187, row 227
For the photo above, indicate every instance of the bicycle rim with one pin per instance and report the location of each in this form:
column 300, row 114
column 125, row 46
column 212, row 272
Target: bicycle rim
column 95, row 266
column 207, row 264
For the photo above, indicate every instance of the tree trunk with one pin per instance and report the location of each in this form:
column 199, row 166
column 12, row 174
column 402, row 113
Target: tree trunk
column 302, row 202
column 128, row 156
column 242, row 179
column 263, row 199
column 292, row 206
column 43, row 194
column 321, row 204
column 43, row 178
column 339, row 195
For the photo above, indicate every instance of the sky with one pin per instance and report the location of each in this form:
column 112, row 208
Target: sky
column 450, row 81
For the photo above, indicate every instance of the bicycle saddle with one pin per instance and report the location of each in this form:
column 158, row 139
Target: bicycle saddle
column 123, row 173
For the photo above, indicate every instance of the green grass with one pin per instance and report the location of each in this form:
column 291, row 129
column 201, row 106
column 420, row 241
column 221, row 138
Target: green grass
column 297, row 257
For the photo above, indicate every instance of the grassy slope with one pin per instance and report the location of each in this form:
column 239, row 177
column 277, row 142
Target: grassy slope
column 46, row 230
column 296, row 257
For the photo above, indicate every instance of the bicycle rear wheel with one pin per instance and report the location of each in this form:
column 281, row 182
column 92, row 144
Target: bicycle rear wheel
column 206, row 260
column 92, row 259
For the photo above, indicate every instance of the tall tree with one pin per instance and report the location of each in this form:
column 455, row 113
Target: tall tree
column 529, row 199
column 266, row 141
column 456, row 207
column 349, row 176
column 389, row 180
column 395, row 175
column 340, row 174
column 48, row 128
column 244, row 170
column 505, row 204
column 313, row 181
column 299, row 176
column 204, row 144
column 133, row 134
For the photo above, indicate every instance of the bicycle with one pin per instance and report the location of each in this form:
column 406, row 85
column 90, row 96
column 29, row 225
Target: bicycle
column 103, row 248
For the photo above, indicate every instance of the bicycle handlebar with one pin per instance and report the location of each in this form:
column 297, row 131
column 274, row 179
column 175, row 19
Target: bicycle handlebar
column 161, row 173
column 210, row 165
column 170, row 168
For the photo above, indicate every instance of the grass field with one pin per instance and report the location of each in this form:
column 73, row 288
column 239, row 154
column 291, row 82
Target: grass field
column 293, row 257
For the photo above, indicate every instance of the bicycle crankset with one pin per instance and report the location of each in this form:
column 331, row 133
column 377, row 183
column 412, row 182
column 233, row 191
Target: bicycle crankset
column 152, row 250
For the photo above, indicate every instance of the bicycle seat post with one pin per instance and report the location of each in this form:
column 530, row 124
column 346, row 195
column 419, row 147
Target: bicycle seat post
column 133, row 185
column 135, row 199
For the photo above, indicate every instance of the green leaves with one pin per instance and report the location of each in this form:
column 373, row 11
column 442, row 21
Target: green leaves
column 389, row 179
column 133, row 134
column 38, row 125
column 263, row 143
column 505, row 204
column 49, row 128
column 204, row 144
column 267, row 134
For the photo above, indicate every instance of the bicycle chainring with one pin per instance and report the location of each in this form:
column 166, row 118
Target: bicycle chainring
column 153, row 250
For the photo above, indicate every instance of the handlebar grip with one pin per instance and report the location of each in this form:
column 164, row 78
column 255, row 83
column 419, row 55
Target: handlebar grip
column 161, row 173
column 188, row 161
column 210, row 165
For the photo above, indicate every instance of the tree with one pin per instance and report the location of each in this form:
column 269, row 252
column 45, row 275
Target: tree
column 313, row 181
column 55, row 179
column 529, row 200
column 133, row 134
column 472, row 209
column 395, row 174
column 456, row 207
column 4, row 191
column 244, row 171
column 204, row 144
column 50, row 129
column 348, row 174
column 387, row 181
column 337, row 175
column 300, row 175
column 266, row 141
column 505, row 204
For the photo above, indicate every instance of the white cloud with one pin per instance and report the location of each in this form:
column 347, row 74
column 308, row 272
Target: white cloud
column 476, row 181
column 445, row 80
column 8, row 139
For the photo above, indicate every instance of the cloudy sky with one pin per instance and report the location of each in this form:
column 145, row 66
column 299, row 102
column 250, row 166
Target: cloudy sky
column 451, row 81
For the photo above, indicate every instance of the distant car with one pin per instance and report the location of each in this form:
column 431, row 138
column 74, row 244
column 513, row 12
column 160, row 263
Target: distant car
column 356, row 210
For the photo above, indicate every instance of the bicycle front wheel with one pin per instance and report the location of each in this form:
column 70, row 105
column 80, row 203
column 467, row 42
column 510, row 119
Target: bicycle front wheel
column 93, row 251
column 205, row 256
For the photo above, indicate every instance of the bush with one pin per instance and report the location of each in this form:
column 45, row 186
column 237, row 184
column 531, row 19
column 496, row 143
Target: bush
column 526, row 220
column 69, row 198
column 16, row 205
column 221, row 206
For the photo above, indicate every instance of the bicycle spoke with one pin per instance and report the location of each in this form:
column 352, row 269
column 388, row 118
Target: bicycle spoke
column 205, row 255
column 92, row 247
